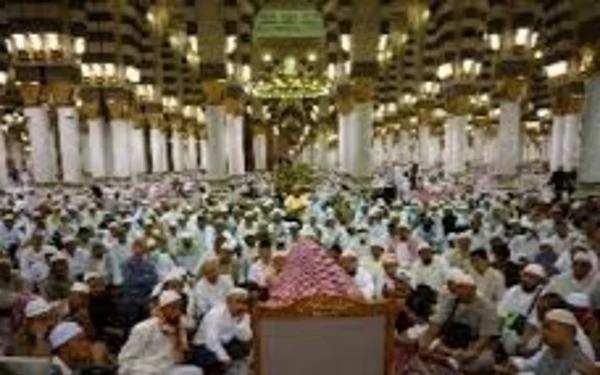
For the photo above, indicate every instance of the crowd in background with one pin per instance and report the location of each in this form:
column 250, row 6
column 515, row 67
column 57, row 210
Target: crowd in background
column 161, row 277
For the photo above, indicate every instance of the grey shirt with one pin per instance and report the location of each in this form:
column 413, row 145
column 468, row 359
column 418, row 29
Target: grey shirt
column 480, row 315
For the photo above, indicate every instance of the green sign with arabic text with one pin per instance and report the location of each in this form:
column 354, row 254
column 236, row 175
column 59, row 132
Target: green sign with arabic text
column 272, row 23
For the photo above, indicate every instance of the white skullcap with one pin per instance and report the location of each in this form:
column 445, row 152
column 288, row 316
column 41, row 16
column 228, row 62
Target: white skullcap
column 307, row 231
column 349, row 254
column 69, row 238
column 49, row 251
column 377, row 242
column 582, row 256
column 186, row 235
column 547, row 242
column 239, row 292
column 174, row 275
column 403, row 224
column 63, row 333
column 91, row 275
column 78, row 287
column 58, row 257
column 463, row 235
column 37, row 307
column 185, row 370
column 562, row 316
column 280, row 254
column 168, row 297
column 579, row 300
column 454, row 274
column 465, row 279
column 535, row 270
column 389, row 259
column 424, row 245
column 228, row 245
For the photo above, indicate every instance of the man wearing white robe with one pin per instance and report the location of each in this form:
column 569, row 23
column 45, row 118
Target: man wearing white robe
column 362, row 278
column 210, row 290
column 430, row 269
column 580, row 279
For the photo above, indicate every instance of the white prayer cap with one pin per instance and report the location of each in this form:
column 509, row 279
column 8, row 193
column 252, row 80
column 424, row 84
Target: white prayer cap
column 403, row 224
column 49, row 251
column 91, row 275
column 79, row 287
column 280, row 254
column 37, row 307
column 168, row 297
column 535, row 270
column 58, row 257
column 525, row 223
column 348, row 253
column 377, row 242
column 186, row 235
column 113, row 225
column 389, row 259
column 463, row 235
column 562, row 316
column 69, row 239
column 63, row 332
column 424, row 246
column 547, row 241
column 307, row 231
column 581, row 244
column 465, row 279
column 174, row 275
column 583, row 256
column 228, row 245
column 578, row 300
column 237, row 292
column 186, row 370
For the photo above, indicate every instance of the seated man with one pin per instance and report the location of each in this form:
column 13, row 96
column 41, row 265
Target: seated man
column 560, row 353
column 70, row 348
column 222, row 341
column 462, row 329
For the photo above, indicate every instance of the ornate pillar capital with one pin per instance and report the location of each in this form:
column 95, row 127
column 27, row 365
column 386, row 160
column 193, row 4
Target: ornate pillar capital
column 91, row 109
column 32, row 94
column 119, row 109
column 568, row 104
column 511, row 89
column 62, row 94
column 344, row 98
column 458, row 105
column 214, row 92
column 363, row 89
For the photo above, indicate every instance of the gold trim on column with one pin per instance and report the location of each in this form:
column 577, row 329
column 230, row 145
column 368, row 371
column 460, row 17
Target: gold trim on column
column 363, row 90
column 511, row 89
column 214, row 91
column 568, row 104
column 344, row 99
column 119, row 109
column 458, row 105
column 32, row 94
column 90, row 110
column 62, row 94
column 234, row 107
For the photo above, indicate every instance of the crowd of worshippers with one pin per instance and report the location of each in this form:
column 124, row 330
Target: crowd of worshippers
column 103, row 284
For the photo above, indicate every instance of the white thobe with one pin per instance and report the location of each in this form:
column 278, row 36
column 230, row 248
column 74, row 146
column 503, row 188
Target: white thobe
column 258, row 273
column 365, row 283
column 206, row 295
column 219, row 327
column 434, row 275
column 148, row 350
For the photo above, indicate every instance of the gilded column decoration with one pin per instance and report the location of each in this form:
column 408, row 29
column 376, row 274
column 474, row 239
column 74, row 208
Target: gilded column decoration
column 344, row 99
column 62, row 94
column 90, row 110
column 363, row 90
column 119, row 109
column 32, row 94
column 214, row 92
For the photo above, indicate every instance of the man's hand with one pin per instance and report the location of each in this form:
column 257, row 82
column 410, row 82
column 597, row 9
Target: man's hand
column 465, row 356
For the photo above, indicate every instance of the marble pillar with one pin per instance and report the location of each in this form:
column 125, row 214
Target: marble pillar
column 121, row 151
column 259, row 147
column 96, row 147
column 345, row 133
column 4, row 176
column 69, row 137
column 216, row 150
column 177, row 151
column 192, row 152
column 42, row 143
column 589, row 170
column 571, row 142
column 203, row 145
column 362, row 138
column 138, row 150
column 510, row 143
column 557, row 142
column 156, row 149
column 235, row 144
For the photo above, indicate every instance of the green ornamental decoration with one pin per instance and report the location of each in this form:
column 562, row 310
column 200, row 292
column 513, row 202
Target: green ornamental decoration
column 287, row 177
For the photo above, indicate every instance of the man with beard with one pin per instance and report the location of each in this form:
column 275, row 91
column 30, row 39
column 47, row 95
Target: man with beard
column 104, row 312
column 429, row 269
column 363, row 279
column 158, row 343
column 58, row 284
column 518, row 304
